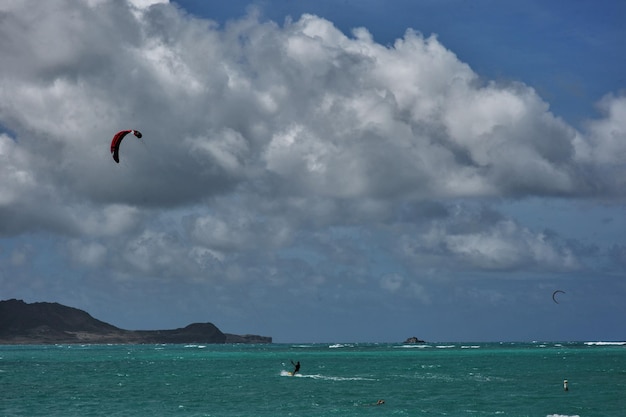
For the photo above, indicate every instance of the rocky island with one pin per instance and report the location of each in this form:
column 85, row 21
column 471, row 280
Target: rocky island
column 50, row 323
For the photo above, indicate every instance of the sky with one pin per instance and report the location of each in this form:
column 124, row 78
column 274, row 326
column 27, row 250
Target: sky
column 316, row 170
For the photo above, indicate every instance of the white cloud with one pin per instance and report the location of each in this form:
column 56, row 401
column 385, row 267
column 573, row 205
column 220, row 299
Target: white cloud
column 227, row 148
column 607, row 138
column 21, row 256
column 237, row 229
column 258, row 135
column 112, row 220
column 16, row 177
column 330, row 115
column 400, row 285
column 391, row 282
column 506, row 246
column 92, row 254
column 142, row 4
column 492, row 243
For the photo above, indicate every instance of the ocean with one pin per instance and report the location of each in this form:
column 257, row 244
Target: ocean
column 447, row 379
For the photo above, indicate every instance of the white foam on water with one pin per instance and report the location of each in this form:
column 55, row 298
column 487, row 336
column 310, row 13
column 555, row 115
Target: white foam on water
column 412, row 347
column 562, row 415
column 605, row 343
column 324, row 377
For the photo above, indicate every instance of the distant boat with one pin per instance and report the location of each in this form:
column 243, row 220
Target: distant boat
column 413, row 341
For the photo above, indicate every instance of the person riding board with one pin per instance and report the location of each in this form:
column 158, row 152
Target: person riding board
column 296, row 367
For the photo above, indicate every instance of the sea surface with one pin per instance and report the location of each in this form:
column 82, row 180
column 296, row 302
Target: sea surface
column 447, row 379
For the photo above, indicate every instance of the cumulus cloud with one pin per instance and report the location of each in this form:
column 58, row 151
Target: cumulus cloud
column 398, row 284
column 16, row 178
column 485, row 240
column 602, row 150
column 607, row 138
column 258, row 136
column 92, row 254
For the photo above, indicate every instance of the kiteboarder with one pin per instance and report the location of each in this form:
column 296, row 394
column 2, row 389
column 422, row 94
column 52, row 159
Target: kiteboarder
column 296, row 367
column 379, row 402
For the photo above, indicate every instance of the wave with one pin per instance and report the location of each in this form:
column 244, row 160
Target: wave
column 324, row 377
column 562, row 415
column 412, row 346
column 421, row 346
column 605, row 343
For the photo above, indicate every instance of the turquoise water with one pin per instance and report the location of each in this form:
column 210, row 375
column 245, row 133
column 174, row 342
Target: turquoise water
column 336, row 380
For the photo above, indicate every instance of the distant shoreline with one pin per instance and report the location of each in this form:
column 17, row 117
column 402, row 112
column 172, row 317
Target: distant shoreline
column 46, row 323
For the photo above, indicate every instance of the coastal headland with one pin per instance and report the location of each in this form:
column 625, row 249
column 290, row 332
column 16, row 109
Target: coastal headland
column 52, row 323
